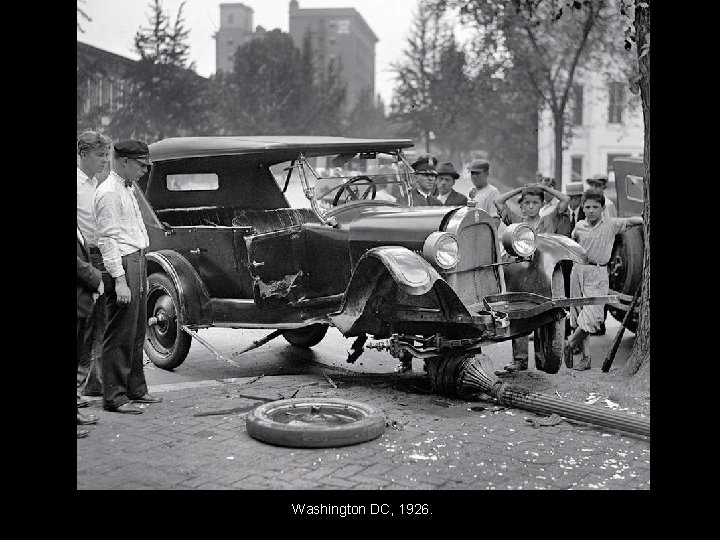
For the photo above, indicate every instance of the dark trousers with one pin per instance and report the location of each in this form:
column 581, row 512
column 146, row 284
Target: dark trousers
column 122, row 353
column 89, row 373
column 81, row 342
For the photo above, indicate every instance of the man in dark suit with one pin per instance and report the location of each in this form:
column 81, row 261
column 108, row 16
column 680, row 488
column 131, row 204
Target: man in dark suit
column 425, row 175
column 89, row 285
column 445, row 182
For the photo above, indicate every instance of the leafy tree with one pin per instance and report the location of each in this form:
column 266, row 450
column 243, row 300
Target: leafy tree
column 163, row 100
column 81, row 14
column 546, row 41
column 452, row 101
column 367, row 118
column 412, row 103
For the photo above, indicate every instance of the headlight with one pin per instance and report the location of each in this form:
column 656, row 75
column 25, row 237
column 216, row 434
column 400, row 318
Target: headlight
column 519, row 239
column 441, row 248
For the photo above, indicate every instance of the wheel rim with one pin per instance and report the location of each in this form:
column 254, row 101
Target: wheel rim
column 163, row 334
column 316, row 414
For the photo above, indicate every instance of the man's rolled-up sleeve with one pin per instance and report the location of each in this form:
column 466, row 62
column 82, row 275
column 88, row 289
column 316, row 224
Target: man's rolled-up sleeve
column 107, row 216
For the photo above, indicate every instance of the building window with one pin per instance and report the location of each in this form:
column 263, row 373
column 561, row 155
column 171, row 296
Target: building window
column 577, row 109
column 576, row 163
column 343, row 26
column 231, row 19
column 616, row 103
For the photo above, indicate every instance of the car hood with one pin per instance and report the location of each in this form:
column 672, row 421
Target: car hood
column 408, row 227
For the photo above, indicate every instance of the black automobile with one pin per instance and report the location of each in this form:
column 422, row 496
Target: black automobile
column 228, row 249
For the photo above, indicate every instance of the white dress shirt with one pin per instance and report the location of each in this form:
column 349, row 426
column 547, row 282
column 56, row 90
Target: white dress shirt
column 121, row 230
column 86, row 187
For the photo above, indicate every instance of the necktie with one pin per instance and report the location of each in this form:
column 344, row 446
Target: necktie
column 572, row 219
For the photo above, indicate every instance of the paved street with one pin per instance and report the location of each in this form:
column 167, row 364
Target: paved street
column 196, row 438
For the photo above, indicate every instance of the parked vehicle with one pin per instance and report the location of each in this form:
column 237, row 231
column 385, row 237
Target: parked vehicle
column 626, row 263
column 227, row 249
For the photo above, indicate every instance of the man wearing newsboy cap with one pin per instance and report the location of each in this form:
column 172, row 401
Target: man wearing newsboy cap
column 122, row 239
column 600, row 181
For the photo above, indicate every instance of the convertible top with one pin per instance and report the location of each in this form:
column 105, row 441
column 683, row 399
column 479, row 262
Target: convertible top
column 187, row 147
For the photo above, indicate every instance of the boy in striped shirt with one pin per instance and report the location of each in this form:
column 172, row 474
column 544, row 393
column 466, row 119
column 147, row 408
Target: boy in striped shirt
column 596, row 234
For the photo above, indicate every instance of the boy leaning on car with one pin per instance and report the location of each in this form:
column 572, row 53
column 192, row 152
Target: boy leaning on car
column 596, row 234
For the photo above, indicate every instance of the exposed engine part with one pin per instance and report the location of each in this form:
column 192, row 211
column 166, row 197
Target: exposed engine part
column 420, row 347
column 356, row 349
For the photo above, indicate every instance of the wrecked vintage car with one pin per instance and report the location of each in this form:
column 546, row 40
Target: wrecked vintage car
column 228, row 249
column 626, row 262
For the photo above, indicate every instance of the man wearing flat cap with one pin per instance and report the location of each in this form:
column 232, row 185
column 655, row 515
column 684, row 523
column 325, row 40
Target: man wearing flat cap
column 600, row 182
column 445, row 181
column 425, row 175
column 484, row 193
column 122, row 239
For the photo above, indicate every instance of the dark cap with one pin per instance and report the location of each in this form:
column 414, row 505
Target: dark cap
column 134, row 150
column 425, row 164
column 480, row 165
column 448, row 168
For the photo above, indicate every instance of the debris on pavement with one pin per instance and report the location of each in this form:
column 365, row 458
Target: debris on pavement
column 553, row 420
column 331, row 381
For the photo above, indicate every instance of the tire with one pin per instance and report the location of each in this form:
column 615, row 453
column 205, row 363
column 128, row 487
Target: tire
column 626, row 261
column 350, row 422
column 443, row 373
column 306, row 337
column 166, row 344
column 548, row 343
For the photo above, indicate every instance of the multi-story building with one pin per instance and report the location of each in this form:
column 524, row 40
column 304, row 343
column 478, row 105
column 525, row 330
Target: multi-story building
column 339, row 34
column 101, row 76
column 236, row 28
column 606, row 123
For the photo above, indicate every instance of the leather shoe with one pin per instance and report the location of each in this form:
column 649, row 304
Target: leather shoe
column 125, row 408
column 82, row 402
column 583, row 365
column 147, row 398
column 86, row 419
column 82, row 433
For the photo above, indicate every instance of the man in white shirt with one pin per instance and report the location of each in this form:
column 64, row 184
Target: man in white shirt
column 483, row 193
column 123, row 239
column 93, row 157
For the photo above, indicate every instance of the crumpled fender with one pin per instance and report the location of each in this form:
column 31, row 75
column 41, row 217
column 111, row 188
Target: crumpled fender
column 192, row 294
column 536, row 275
column 411, row 272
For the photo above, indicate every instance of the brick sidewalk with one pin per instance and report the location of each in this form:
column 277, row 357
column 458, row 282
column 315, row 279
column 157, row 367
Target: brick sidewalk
column 196, row 439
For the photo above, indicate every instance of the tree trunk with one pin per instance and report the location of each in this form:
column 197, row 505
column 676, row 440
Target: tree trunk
column 559, row 121
column 639, row 361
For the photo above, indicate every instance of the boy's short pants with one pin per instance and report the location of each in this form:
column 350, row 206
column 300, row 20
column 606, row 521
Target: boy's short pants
column 588, row 280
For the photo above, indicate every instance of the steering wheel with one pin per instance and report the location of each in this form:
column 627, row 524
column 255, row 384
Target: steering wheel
column 354, row 194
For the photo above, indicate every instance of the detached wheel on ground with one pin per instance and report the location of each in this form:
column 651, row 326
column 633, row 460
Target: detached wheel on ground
column 315, row 422
column 306, row 337
column 166, row 344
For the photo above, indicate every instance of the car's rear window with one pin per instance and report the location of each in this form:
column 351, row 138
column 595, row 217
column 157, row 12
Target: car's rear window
column 192, row 182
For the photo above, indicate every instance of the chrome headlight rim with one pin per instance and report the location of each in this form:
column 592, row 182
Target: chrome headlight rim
column 439, row 250
column 513, row 236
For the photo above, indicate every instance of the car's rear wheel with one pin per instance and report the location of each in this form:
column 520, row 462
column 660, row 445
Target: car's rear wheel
column 306, row 337
column 625, row 269
column 166, row 344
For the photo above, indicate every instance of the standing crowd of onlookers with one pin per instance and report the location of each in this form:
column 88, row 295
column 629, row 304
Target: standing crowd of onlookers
column 111, row 276
column 587, row 216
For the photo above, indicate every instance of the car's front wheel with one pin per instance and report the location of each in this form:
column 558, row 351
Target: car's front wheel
column 306, row 337
column 166, row 344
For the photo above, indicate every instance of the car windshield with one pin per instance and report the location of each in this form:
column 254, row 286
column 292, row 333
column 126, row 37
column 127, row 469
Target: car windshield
column 347, row 178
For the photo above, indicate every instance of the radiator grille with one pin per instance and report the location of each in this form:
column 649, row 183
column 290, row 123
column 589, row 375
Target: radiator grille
column 477, row 248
